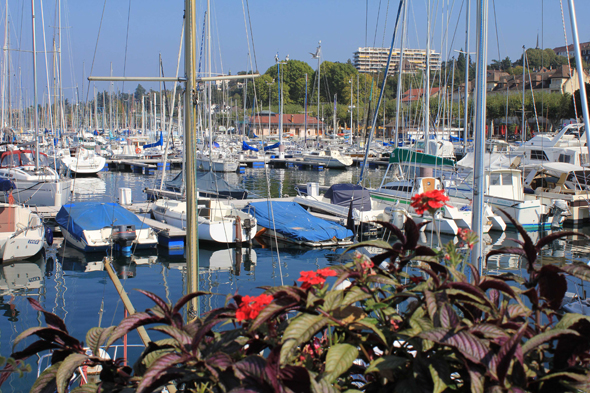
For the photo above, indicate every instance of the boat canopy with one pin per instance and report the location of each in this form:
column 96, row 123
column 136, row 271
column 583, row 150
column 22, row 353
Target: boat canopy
column 21, row 158
column 246, row 146
column 294, row 222
column 6, row 185
column 275, row 146
column 491, row 161
column 342, row 194
column 90, row 216
column 406, row 156
column 160, row 142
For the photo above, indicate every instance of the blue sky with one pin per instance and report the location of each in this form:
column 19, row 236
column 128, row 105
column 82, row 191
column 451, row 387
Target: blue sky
column 288, row 27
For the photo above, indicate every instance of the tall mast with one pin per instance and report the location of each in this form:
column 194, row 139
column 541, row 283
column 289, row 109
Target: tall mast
column 523, row 130
column 210, row 124
column 580, row 71
column 5, row 76
column 35, row 109
column 466, row 106
column 192, row 240
column 427, row 87
column 398, row 100
column 480, row 127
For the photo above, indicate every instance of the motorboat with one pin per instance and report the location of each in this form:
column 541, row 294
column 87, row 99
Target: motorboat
column 96, row 227
column 85, row 162
column 218, row 221
column 38, row 185
column 330, row 158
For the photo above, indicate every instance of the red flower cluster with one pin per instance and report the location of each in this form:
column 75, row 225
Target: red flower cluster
column 429, row 201
column 467, row 236
column 312, row 278
column 250, row 307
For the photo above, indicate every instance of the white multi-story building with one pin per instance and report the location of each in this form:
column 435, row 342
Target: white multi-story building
column 368, row 60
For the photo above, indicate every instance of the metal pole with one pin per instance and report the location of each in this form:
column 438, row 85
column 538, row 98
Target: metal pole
column 466, row 106
column 580, row 70
column 523, row 130
column 35, row 104
column 350, row 141
column 480, row 126
column 305, row 119
column 192, row 239
column 398, row 97
column 427, row 87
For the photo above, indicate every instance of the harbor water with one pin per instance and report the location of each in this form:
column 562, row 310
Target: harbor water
column 76, row 287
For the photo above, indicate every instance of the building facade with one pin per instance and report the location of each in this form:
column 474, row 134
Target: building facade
column 565, row 50
column 372, row 60
column 293, row 125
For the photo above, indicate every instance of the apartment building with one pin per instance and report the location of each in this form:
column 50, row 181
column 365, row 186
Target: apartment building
column 369, row 60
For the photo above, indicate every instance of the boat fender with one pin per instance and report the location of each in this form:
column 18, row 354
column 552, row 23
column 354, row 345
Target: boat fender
column 238, row 229
column 137, row 150
column 49, row 236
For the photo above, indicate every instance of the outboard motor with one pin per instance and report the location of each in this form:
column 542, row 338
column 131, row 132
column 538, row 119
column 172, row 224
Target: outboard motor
column 123, row 237
column 560, row 211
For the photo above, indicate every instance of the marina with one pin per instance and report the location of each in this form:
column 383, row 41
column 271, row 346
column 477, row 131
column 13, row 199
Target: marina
column 401, row 221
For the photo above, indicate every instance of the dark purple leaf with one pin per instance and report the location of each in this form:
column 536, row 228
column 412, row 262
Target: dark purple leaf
column 519, row 228
column 412, row 234
column 516, row 310
column 268, row 313
column 494, row 295
column 447, row 317
column 469, row 288
column 508, row 351
column 506, row 250
column 556, row 235
column 436, row 267
column 158, row 367
column 477, row 380
column 252, row 366
column 467, row 344
column 377, row 259
column 552, row 286
column 206, row 328
column 433, row 275
column 531, row 293
column 220, row 360
column 33, row 349
column 488, row 331
column 187, row 298
column 508, row 277
column 156, row 299
column 179, row 335
column 578, row 269
column 295, row 378
column 394, row 230
column 51, row 319
column 500, row 285
column 548, row 335
column 130, row 323
column 570, row 348
column 475, row 274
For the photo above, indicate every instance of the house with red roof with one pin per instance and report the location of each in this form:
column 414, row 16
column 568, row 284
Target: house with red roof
column 293, row 125
column 415, row 95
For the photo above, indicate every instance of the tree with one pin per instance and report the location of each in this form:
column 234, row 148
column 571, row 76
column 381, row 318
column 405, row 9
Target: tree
column 139, row 92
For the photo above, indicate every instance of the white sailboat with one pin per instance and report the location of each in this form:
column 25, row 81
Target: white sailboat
column 85, row 162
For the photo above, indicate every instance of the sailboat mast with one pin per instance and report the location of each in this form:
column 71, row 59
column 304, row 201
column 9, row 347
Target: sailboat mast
column 580, row 70
column 36, row 114
column 305, row 120
column 427, row 87
column 480, row 127
column 5, row 74
column 210, row 124
column 319, row 54
column 192, row 256
column 467, row 57
column 398, row 99
column 523, row 130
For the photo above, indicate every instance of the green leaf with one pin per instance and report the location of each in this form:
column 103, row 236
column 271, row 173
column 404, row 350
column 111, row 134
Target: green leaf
column 26, row 334
column 93, row 339
column 578, row 269
column 333, row 300
column 86, row 388
column 106, row 334
column 382, row 279
column 322, row 386
column 439, row 384
column 45, row 378
column 365, row 322
column 338, row 360
column 179, row 335
column 569, row 319
column 388, row 362
column 151, row 357
column 66, row 370
column 301, row 329
column 353, row 295
column 311, row 299
column 542, row 338
column 370, row 243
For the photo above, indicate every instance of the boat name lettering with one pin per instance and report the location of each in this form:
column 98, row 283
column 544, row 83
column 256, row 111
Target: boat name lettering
column 34, row 241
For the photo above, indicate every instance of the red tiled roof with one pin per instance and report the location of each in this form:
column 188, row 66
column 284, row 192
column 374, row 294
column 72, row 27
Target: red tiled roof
column 288, row 119
column 412, row 95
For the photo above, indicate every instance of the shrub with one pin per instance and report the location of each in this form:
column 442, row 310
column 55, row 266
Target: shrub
column 377, row 328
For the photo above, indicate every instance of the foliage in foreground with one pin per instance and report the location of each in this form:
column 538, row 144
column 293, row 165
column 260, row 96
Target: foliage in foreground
column 377, row 328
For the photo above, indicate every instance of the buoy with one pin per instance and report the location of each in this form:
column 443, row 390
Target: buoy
column 137, row 150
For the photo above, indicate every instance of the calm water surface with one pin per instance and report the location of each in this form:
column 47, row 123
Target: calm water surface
column 74, row 285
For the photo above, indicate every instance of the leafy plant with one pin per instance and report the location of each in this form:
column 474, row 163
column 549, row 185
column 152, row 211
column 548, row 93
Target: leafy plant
column 375, row 328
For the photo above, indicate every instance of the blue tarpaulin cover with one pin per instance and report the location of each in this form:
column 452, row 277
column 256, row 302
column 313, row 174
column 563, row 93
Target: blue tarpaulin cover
column 89, row 216
column 6, row 185
column 246, row 146
column 342, row 194
column 276, row 145
column 294, row 222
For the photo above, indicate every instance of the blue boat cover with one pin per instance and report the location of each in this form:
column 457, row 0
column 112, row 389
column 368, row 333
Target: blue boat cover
column 89, row 216
column 160, row 142
column 6, row 185
column 246, row 146
column 294, row 222
column 276, row 145
column 342, row 194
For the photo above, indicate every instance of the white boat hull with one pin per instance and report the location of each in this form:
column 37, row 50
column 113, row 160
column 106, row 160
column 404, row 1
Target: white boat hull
column 100, row 240
column 22, row 233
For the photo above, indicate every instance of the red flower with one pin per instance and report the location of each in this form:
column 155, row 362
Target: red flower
column 416, row 279
column 429, row 201
column 311, row 278
column 250, row 307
